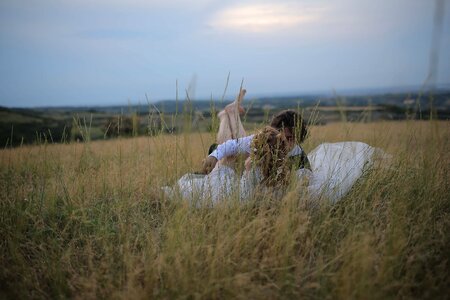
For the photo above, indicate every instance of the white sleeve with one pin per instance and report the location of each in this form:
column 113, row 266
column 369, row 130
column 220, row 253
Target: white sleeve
column 233, row 147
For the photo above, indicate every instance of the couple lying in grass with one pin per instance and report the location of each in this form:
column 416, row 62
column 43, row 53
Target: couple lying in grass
column 274, row 158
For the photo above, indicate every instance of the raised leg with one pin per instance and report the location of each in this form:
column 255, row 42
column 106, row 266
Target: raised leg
column 230, row 126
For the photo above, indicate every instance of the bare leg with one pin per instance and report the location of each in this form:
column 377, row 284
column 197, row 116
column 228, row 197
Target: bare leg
column 230, row 126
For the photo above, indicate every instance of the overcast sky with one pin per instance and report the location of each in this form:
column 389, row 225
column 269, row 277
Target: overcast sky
column 100, row 52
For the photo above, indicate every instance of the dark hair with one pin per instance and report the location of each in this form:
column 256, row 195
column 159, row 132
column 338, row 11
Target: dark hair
column 292, row 120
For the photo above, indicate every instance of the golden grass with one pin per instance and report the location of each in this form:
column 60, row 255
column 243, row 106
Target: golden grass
column 90, row 221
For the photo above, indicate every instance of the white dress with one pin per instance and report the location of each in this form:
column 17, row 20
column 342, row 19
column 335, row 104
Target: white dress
column 216, row 186
column 337, row 166
column 335, row 169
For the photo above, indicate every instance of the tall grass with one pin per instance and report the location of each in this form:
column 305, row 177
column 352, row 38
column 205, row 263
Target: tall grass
column 89, row 221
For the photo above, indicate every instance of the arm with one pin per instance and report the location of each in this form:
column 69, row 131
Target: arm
column 229, row 148
column 233, row 147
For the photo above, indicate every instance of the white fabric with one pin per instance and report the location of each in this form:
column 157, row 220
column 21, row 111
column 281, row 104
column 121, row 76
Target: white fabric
column 242, row 145
column 335, row 168
column 249, row 181
column 215, row 186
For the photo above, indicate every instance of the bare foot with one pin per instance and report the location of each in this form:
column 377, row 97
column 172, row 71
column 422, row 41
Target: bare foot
column 236, row 104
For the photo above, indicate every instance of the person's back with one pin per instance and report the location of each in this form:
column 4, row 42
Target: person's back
column 268, row 168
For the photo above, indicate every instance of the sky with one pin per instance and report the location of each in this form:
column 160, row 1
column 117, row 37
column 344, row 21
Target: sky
column 107, row 52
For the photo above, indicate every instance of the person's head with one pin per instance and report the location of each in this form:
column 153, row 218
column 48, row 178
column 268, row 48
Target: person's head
column 269, row 150
column 292, row 124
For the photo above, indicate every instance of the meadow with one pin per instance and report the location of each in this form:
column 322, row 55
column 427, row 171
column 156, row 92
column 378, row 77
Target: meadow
column 89, row 220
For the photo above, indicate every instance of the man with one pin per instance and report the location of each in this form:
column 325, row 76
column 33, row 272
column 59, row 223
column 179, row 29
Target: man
column 288, row 121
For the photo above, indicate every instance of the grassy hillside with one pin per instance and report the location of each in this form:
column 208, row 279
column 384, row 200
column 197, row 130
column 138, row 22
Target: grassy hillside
column 88, row 220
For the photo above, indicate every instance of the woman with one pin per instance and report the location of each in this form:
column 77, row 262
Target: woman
column 266, row 164
column 267, row 167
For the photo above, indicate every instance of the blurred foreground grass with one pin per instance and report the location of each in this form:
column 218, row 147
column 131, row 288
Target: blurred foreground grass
column 88, row 220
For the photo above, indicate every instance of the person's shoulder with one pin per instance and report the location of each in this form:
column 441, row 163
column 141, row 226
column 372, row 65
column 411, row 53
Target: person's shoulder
column 247, row 137
column 245, row 140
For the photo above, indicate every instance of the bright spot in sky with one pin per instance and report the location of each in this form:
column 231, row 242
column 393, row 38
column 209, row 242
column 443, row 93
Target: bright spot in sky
column 264, row 17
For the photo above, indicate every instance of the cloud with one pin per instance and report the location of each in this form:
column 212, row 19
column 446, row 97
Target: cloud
column 319, row 20
column 265, row 17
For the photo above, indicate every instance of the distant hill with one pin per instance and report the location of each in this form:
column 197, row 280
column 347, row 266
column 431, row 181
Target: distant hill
column 56, row 124
column 441, row 101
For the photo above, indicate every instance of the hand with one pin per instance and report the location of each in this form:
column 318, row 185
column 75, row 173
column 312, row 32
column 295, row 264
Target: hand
column 208, row 164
